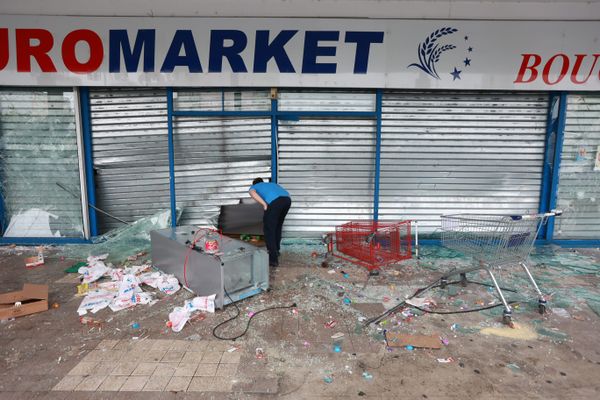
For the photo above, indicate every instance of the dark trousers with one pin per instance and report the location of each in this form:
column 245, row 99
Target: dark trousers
column 272, row 224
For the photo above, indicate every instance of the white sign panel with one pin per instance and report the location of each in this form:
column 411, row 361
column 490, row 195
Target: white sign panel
column 409, row 54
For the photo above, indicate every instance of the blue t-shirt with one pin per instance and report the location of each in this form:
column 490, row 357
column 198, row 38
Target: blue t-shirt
column 269, row 191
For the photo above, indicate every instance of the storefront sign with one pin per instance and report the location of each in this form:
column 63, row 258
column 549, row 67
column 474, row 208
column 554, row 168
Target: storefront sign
column 409, row 54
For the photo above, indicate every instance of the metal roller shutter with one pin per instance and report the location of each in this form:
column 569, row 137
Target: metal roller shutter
column 215, row 162
column 130, row 152
column 327, row 165
column 460, row 152
column 38, row 149
column 579, row 183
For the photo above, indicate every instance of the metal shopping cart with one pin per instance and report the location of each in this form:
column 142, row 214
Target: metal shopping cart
column 494, row 241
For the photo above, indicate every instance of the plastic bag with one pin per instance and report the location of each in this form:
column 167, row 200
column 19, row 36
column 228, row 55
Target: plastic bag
column 180, row 315
column 123, row 302
column 128, row 286
column 94, row 271
column 95, row 301
column 178, row 318
column 201, row 303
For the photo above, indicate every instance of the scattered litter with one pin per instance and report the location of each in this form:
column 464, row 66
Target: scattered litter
column 180, row 315
column 32, row 262
column 444, row 341
column 328, row 379
column 135, row 325
column 367, row 375
column 331, row 271
column 454, row 327
column 73, row 269
column 337, row 348
column 306, row 344
column 259, row 353
column 347, row 301
column 513, row 367
column 445, row 360
column 55, row 305
column 82, row 289
column 232, row 349
column 85, row 320
column 397, row 339
column 409, row 348
column 421, row 302
column 331, row 323
column 561, row 312
column 337, row 335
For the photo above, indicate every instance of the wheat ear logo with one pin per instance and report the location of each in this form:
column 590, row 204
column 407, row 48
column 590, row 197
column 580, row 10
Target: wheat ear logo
column 430, row 51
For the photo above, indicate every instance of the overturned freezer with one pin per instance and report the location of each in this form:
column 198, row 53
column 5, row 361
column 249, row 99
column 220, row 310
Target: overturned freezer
column 240, row 270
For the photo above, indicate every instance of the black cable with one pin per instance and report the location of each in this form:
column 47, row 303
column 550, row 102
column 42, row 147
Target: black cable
column 462, row 311
column 249, row 320
column 425, row 289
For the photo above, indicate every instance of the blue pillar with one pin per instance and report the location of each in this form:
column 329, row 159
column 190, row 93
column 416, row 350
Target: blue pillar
column 274, row 140
column 88, row 155
column 171, row 156
column 560, row 137
column 378, row 102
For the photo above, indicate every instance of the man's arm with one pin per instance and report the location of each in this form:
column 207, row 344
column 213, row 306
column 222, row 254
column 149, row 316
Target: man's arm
column 259, row 199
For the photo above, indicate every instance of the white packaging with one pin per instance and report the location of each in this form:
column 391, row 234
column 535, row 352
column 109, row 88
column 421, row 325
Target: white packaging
column 123, row 302
column 201, row 303
column 95, row 301
column 178, row 318
column 94, row 271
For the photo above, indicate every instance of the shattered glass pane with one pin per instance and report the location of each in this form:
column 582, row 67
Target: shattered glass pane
column 38, row 152
column 579, row 174
column 123, row 242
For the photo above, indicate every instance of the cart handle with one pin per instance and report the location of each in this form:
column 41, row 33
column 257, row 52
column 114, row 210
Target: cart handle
column 553, row 213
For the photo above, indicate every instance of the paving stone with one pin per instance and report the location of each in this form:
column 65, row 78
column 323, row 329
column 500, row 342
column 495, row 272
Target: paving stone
column 173, row 356
column 227, row 370
column 144, row 368
column 107, row 344
column 212, row 357
column 84, row 368
column 156, row 383
column 206, row 370
column 124, row 368
column 231, row 358
column 94, row 355
column 178, row 384
column 104, row 368
column 264, row 385
column 198, row 345
column 90, row 383
column 112, row 383
column 164, row 369
column 180, row 345
column 186, row 369
column 200, row 384
column 69, row 382
column 162, row 344
column 192, row 357
column 222, row 384
column 124, row 345
column 153, row 355
column 134, row 383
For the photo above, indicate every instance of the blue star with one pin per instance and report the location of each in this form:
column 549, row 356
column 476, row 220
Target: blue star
column 470, row 49
column 455, row 74
column 467, row 61
column 466, row 38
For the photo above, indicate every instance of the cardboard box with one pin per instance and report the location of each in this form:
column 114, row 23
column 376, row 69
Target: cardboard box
column 32, row 299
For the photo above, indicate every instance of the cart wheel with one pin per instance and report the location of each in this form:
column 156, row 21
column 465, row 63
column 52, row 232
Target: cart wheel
column 463, row 280
column 542, row 306
column 443, row 283
column 507, row 319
